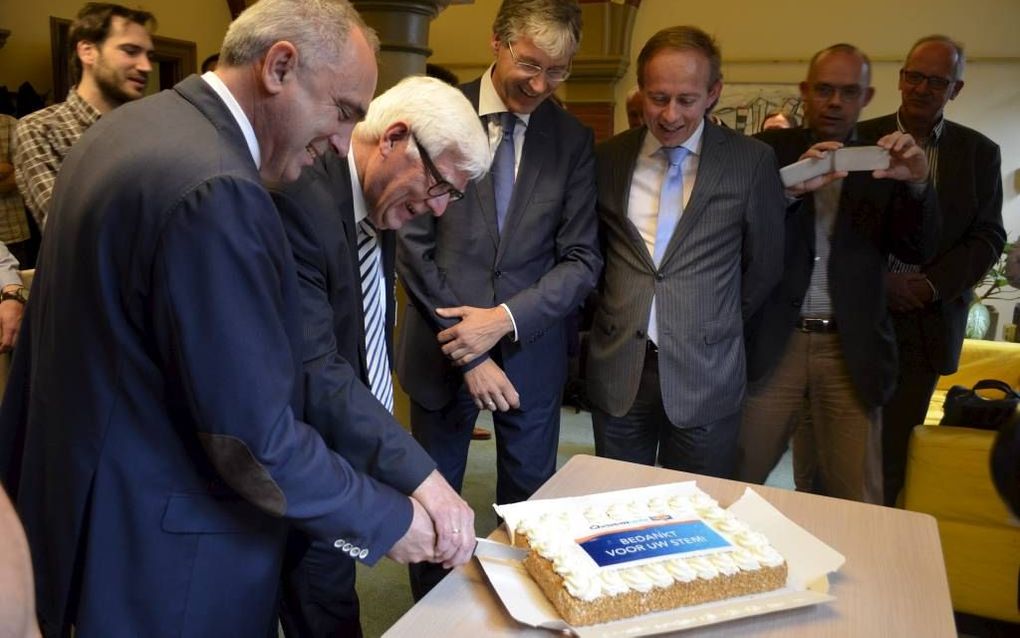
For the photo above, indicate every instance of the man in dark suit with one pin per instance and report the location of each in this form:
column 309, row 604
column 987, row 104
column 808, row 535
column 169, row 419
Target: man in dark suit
column 492, row 280
column 668, row 386
column 825, row 334
column 152, row 431
column 331, row 215
column 929, row 302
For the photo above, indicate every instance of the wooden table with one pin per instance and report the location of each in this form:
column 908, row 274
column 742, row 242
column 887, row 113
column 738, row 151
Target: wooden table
column 893, row 582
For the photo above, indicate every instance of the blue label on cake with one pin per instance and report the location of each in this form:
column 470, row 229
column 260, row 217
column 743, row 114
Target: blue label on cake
column 652, row 541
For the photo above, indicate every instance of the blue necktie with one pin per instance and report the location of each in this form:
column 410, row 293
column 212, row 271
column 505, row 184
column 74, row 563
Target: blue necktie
column 503, row 168
column 372, row 282
column 671, row 204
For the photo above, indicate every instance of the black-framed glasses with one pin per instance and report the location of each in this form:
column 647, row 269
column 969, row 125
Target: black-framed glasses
column 847, row 93
column 441, row 186
column 555, row 74
column 935, row 82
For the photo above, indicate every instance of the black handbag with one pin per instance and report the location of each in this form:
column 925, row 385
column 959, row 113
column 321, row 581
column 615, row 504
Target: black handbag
column 965, row 407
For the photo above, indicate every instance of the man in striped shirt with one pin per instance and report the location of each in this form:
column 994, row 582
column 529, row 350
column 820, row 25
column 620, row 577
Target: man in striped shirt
column 112, row 46
column 929, row 302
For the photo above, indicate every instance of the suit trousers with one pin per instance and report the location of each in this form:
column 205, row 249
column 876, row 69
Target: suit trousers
column 646, row 435
column 908, row 406
column 526, row 445
column 845, row 432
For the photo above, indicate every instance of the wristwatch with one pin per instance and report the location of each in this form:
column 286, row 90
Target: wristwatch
column 18, row 294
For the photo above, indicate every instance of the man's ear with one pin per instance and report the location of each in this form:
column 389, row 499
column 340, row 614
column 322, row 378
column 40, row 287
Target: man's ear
column 957, row 87
column 86, row 52
column 496, row 42
column 869, row 93
column 278, row 66
column 714, row 91
column 396, row 132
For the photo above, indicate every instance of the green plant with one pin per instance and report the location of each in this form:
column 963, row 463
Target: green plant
column 994, row 285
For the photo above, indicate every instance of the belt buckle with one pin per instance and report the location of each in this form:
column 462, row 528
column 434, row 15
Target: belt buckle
column 813, row 324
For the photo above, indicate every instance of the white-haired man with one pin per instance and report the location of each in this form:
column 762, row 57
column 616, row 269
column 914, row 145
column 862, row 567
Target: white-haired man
column 153, row 435
column 338, row 216
column 492, row 280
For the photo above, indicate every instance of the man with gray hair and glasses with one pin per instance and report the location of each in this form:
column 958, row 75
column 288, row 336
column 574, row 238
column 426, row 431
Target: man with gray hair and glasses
column 492, row 280
column 929, row 301
column 153, row 435
column 339, row 217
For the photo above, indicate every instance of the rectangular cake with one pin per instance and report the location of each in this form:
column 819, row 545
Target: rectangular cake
column 617, row 555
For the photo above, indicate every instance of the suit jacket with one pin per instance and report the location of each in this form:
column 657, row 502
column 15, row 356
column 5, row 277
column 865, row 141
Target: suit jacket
column 722, row 261
column 969, row 193
column 542, row 266
column 151, row 429
column 875, row 218
column 318, row 215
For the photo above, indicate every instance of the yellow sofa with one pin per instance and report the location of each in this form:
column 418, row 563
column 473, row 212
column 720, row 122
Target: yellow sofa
column 948, row 477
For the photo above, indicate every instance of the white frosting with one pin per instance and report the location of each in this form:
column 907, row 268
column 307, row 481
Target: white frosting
column 550, row 534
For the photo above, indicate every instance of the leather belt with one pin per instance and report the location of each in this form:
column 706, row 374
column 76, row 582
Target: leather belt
column 811, row 324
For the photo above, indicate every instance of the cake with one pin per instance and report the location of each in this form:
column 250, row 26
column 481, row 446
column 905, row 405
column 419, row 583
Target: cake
column 622, row 554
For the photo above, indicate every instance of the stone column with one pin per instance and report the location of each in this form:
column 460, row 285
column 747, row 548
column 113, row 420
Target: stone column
column 602, row 60
column 403, row 28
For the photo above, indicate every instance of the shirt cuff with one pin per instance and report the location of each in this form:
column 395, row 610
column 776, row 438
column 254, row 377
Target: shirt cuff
column 511, row 315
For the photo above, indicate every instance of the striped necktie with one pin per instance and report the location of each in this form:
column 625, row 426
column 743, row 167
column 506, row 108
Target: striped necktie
column 503, row 175
column 374, row 307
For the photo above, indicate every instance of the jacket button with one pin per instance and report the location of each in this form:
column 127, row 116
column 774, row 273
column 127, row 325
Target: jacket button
column 363, row 553
column 497, row 274
column 659, row 276
column 339, row 543
column 639, row 333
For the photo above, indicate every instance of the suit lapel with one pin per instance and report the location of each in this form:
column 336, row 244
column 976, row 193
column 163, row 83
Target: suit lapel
column 536, row 149
column 711, row 168
column 485, row 197
column 340, row 177
column 619, row 199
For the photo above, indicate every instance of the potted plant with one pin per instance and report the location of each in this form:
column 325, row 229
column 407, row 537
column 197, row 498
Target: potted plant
column 983, row 319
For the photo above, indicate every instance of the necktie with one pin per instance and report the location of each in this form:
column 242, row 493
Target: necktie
column 376, row 358
column 671, row 204
column 503, row 168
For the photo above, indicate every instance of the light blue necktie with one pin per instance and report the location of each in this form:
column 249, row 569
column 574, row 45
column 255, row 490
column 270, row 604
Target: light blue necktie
column 671, row 204
column 503, row 168
column 372, row 282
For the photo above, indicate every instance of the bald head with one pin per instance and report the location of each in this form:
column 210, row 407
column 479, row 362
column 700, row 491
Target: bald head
column 837, row 88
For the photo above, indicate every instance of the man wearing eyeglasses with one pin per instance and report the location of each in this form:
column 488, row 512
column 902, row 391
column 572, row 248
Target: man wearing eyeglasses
column 338, row 217
column 492, row 280
column 824, row 333
column 929, row 302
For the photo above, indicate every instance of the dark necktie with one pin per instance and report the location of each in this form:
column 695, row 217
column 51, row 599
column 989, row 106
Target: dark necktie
column 503, row 168
column 372, row 282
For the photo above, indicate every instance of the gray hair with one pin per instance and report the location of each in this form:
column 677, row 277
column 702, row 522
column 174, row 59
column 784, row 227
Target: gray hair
column 439, row 116
column 553, row 25
column 955, row 45
column 317, row 28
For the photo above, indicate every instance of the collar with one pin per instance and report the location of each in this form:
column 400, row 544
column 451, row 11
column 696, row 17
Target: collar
column 936, row 131
column 651, row 145
column 217, row 85
column 81, row 110
column 357, row 195
column 489, row 101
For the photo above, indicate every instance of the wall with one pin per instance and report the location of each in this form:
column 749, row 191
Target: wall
column 772, row 41
column 26, row 56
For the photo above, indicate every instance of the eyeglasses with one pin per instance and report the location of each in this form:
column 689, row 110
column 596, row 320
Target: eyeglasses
column 554, row 74
column 441, row 186
column 935, row 82
column 847, row 93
